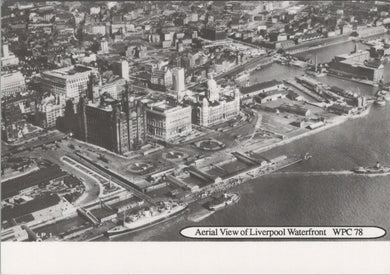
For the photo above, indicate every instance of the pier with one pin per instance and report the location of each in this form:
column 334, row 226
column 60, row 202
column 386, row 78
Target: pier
column 246, row 159
column 200, row 174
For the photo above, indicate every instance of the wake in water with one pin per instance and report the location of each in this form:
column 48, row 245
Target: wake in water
column 321, row 173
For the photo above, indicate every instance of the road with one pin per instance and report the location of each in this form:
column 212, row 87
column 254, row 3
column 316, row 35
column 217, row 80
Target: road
column 114, row 177
column 33, row 143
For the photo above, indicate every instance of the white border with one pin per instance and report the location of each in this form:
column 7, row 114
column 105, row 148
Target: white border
column 371, row 257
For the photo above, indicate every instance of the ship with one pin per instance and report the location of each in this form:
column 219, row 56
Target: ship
column 377, row 169
column 380, row 101
column 298, row 63
column 383, row 94
column 223, row 201
column 147, row 217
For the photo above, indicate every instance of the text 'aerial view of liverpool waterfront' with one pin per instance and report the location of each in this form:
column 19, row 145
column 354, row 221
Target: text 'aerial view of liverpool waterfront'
column 131, row 120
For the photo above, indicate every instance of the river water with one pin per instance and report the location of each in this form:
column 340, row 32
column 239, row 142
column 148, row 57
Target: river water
column 304, row 199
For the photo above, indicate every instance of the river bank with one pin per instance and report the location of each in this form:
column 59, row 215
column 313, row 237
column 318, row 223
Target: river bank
column 336, row 121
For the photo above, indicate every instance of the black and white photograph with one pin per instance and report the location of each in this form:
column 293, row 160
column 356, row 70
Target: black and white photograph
column 195, row 121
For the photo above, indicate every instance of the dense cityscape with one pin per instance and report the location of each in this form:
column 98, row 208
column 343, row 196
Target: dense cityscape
column 121, row 116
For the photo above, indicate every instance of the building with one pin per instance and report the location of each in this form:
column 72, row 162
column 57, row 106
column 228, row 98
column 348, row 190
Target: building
column 69, row 81
column 178, row 79
column 118, row 126
column 26, row 183
column 357, row 65
column 249, row 92
column 12, row 83
column 294, row 96
column 12, row 122
column 104, row 47
column 341, row 109
column 25, row 201
column 38, row 210
column 161, row 79
column 50, row 109
column 270, row 96
column 213, row 33
column 294, row 109
column 166, row 121
column 95, row 29
column 7, row 58
column 114, row 87
column 121, row 68
column 216, row 106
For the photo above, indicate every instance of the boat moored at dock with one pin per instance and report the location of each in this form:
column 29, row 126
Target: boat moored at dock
column 147, row 217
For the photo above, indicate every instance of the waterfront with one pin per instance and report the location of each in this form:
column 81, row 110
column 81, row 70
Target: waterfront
column 311, row 200
column 304, row 199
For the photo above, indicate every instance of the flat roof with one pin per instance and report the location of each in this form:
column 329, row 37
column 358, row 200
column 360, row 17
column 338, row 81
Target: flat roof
column 12, row 187
column 68, row 71
column 163, row 106
column 368, row 65
column 273, row 92
column 260, row 86
column 39, row 203
column 102, row 212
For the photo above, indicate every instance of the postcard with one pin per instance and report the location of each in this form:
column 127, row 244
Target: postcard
column 214, row 133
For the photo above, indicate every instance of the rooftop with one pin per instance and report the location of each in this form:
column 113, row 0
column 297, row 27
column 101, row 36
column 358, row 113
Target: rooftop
column 102, row 212
column 68, row 71
column 12, row 187
column 29, row 207
column 260, row 86
column 163, row 106
column 273, row 92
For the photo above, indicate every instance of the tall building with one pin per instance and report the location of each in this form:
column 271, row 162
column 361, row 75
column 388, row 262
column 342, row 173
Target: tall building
column 112, row 124
column 216, row 106
column 69, row 81
column 135, row 111
column 121, row 68
column 7, row 58
column 165, row 121
column 178, row 79
column 12, row 83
